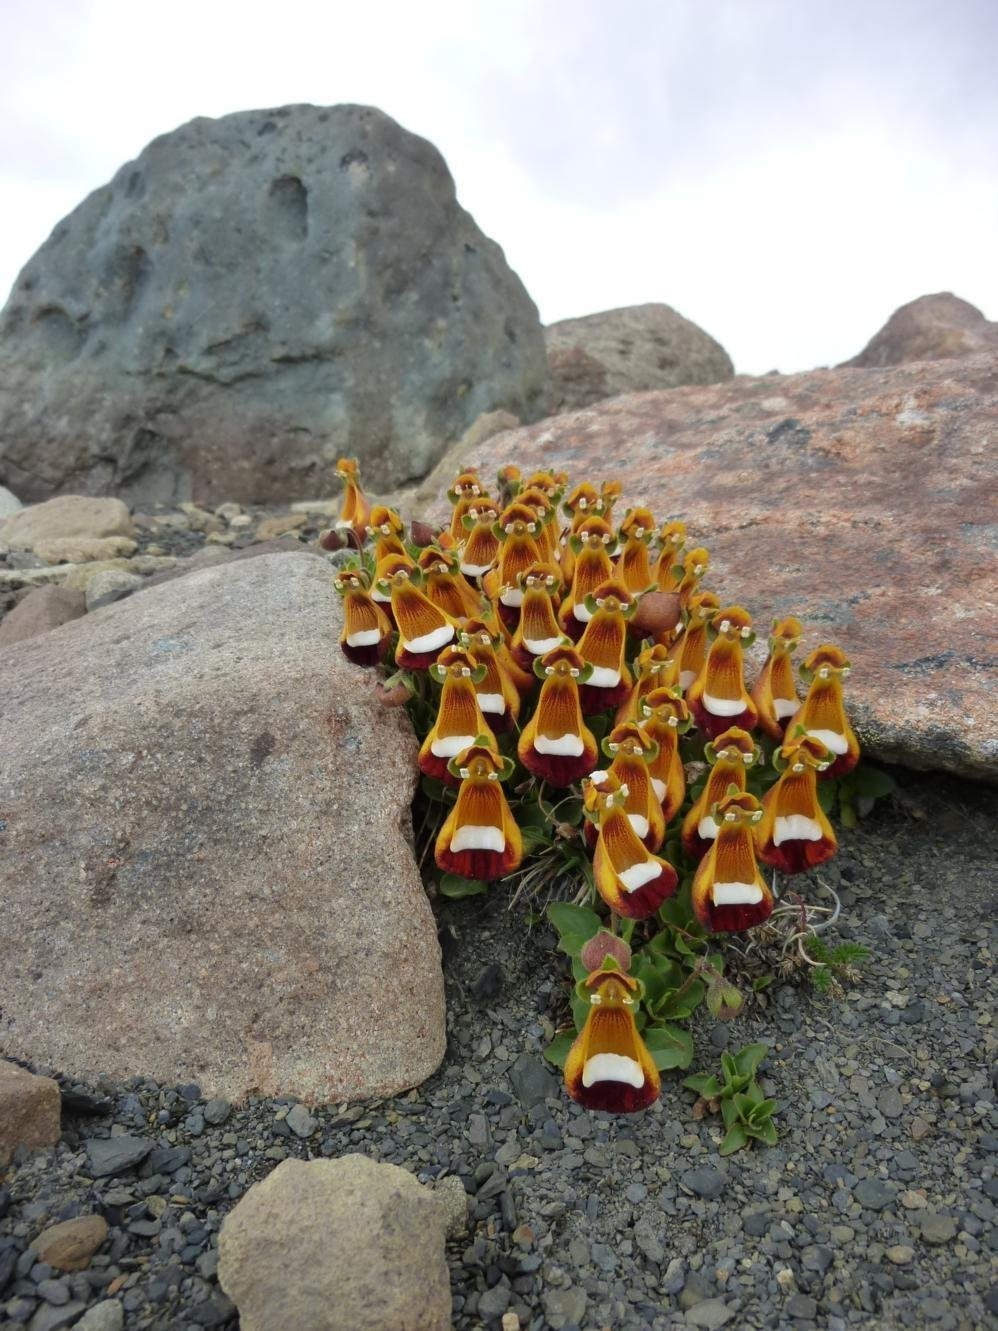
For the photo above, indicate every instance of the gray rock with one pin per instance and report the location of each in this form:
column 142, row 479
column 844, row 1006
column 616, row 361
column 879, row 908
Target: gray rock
column 108, row 1315
column 710, row 1313
column 936, row 327
column 110, row 585
column 531, row 1081
column 889, row 1102
column 873, row 1193
column 629, row 350
column 43, row 608
column 216, row 1111
column 300, row 1121
column 564, row 1307
column 137, row 357
column 494, row 1302
column 802, row 1306
column 116, row 1155
column 9, row 503
column 937, row 1229
column 50, row 1318
column 705, row 1182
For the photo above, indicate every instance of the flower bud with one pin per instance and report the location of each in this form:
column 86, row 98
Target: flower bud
column 605, row 944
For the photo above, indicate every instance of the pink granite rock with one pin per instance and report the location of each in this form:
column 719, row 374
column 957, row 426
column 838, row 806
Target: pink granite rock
column 29, row 1110
column 42, row 609
column 206, row 871
column 859, row 500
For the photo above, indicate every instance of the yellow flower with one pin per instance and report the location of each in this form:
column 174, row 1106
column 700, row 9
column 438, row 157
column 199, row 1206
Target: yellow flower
column 480, row 838
column 823, row 712
column 729, row 893
column 609, row 1066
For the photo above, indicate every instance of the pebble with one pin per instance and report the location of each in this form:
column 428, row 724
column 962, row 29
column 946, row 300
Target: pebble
column 116, row 1155
column 710, row 1314
column 300, row 1121
column 900, row 1255
column 705, row 1182
column 873, row 1193
column 937, row 1229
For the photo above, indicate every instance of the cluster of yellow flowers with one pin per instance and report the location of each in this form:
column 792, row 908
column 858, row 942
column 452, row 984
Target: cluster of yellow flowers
column 532, row 622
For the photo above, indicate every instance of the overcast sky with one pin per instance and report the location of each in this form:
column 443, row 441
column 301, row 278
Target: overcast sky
column 783, row 172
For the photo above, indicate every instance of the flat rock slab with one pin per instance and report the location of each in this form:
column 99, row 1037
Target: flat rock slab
column 206, row 872
column 859, row 500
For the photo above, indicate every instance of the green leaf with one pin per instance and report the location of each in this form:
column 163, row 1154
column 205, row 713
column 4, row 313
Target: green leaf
column 432, row 788
column 452, row 886
column 729, row 1067
column 534, row 839
column 557, row 1050
column 828, row 794
column 847, row 814
column 580, row 1010
column 734, row 1139
column 749, row 1058
column 704, row 1084
column 765, row 1132
column 680, row 1006
column 762, row 982
column 762, row 1109
column 873, row 783
column 573, row 920
column 669, row 1046
column 728, row 1112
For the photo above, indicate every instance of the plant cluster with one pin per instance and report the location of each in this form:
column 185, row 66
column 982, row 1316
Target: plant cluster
column 586, row 730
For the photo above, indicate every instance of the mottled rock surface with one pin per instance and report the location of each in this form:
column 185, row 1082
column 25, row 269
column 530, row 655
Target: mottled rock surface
column 935, row 327
column 70, row 1244
column 628, row 350
column 75, row 518
column 205, row 873
column 337, row 1245
column 858, row 500
column 29, row 1110
column 250, row 298
column 42, row 609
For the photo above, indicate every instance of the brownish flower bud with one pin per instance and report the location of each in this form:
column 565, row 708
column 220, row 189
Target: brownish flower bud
column 603, row 945
column 657, row 613
column 422, row 534
column 331, row 539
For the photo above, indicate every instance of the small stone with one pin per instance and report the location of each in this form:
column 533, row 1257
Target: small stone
column 116, row 1155
column 912, row 1200
column 937, row 1229
column 300, row 1121
column 532, row 1083
column 450, row 1193
column 564, row 1307
column 493, row 1302
column 106, row 1316
column 54, row 1291
column 900, row 1255
column 510, row 1322
column 50, row 1318
column 919, row 1128
column 43, row 608
column 29, row 1110
column 889, row 1102
column 817, row 1257
column 84, row 550
column 216, row 1112
column 110, row 585
column 270, row 528
column 709, row 1314
column 802, row 1306
column 69, row 1245
column 705, row 1182
column 873, row 1193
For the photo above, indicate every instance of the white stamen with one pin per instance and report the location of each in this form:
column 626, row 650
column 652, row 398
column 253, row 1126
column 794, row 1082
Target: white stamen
column 478, row 838
column 538, row 646
column 722, row 706
column 613, row 1067
column 795, row 827
column 565, row 746
column 784, row 707
column 492, row 702
column 639, row 874
column 736, row 894
column 449, row 746
column 708, row 828
column 604, row 678
column 429, row 642
column 363, row 638
column 832, row 740
column 640, row 824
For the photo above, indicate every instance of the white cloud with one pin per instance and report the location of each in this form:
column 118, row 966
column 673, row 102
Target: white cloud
column 783, row 174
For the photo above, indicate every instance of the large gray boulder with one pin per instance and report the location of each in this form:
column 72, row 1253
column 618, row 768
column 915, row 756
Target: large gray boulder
column 937, row 327
column 630, row 350
column 206, row 870
column 250, row 298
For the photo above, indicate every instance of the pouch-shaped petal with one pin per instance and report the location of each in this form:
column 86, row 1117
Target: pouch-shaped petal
column 774, row 693
column 717, row 698
column 731, row 754
column 479, row 838
column 823, row 713
column 794, row 834
column 609, row 1067
column 555, row 744
column 729, row 893
column 631, row 880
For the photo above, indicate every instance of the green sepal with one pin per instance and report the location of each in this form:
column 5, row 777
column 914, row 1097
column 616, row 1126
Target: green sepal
column 478, row 672
column 438, row 672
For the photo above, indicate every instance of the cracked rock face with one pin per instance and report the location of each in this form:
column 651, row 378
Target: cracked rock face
column 250, row 298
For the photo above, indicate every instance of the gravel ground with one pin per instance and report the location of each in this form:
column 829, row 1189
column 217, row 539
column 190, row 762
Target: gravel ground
column 875, row 1209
